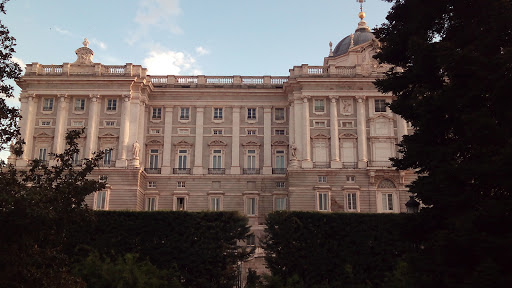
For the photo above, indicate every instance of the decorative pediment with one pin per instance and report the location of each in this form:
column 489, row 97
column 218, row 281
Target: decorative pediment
column 320, row 136
column 348, row 135
column 108, row 135
column 43, row 135
column 183, row 143
column 155, row 142
column 280, row 143
column 217, row 143
column 251, row 143
column 381, row 117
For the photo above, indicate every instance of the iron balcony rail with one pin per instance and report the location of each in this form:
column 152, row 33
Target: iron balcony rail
column 251, row 171
column 180, row 170
column 217, row 171
column 153, row 170
column 278, row 170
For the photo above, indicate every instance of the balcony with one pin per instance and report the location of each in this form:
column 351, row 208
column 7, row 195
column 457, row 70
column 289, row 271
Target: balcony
column 180, row 170
column 383, row 164
column 251, row 171
column 153, row 170
column 107, row 164
column 278, row 170
column 216, row 171
column 351, row 165
column 322, row 165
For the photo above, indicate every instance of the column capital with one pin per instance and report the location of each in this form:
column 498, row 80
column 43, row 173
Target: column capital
column 360, row 98
column 333, row 98
column 305, row 98
column 94, row 97
column 127, row 97
column 267, row 109
column 30, row 96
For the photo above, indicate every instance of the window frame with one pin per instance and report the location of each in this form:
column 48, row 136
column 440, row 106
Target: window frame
column 181, row 115
column 381, row 106
column 276, row 114
column 218, row 206
column 43, row 121
column 251, row 119
column 323, row 205
column 111, row 105
column 48, row 105
column 285, row 200
column 251, row 130
column 156, row 117
column 185, row 202
column 217, row 114
column 250, row 209
column 147, row 202
column 322, row 179
column 106, row 200
column 81, row 109
column 151, row 184
column 350, row 202
column 181, row 184
column 315, row 106
column 279, row 129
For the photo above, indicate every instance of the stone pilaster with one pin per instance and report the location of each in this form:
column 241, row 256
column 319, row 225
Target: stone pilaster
column 299, row 129
column 60, row 124
column 134, row 129
column 166, row 161
column 235, row 149
column 124, row 132
column 361, row 133
column 335, row 140
column 267, row 140
column 306, row 147
column 91, row 145
column 198, row 155
column 27, row 124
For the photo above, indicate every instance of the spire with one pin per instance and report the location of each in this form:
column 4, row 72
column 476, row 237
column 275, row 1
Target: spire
column 361, row 15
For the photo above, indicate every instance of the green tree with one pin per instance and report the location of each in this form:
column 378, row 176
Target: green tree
column 38, row 207
column 9, row 70
column 453, row 69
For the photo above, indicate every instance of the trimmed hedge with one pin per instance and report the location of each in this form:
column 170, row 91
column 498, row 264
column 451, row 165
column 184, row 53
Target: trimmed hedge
column 201, row 247
column 338, row 249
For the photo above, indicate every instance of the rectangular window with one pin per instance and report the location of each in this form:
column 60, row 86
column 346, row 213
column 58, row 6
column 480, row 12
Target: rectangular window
column 217, row 114
column 351, row 201
column 181, row 204
column 79, row 104
column 351, row 178
column 103, row 178
column 251, row 240
column 251, row 159
column 217, row 159
column 279, row 132
column 48, row 104
column 150, row 203
column 110, row 123
column 181, row 184
column 183, row 131
column 279, row 114
column 107, row 157
column 280, row 161
column 45, row 123
column 42, row 154
column 280, row 184
column 281, row 203
column 319, row 124
column 76, row 159
column 155, row 131
column 78, row 123
column 323, row 201
column 251, row 114
column 153, row 158
column 157, row 114
column 319, row 105
column 185, row 113
column 101, row 200
column 387, row 202
column 347, row 124
column 322, row 179
column 380, row 105
column 215, row 203
column 251, row 131
column 151, row 184
column 182, row 159
column 111, row 105
column 217, row 131
column 251, row 206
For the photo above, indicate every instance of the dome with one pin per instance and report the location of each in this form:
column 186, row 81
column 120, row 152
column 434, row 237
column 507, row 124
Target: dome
column 361, row 36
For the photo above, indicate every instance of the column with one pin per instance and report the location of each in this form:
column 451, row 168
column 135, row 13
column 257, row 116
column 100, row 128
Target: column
column 166, row 161
column 198, row 155
column 60, row 124
column 401, row 130
column 91, row 143
column 306, row 147
column 27, row 124
column 235, row 146
column 133, row 129
column 141, row 132
column 361, row 133
column 299, row 129
column 335, row 140
column 291, row 125
column 124, row 132
column 267, row 140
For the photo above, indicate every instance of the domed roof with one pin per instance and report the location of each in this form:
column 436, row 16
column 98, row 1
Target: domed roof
column 361, row 36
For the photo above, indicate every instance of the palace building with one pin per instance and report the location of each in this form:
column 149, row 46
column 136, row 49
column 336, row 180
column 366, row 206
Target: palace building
column 318, row 139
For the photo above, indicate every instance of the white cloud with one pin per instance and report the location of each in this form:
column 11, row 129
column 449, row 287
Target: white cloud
column 63, row 31
column 100, row 44
column 20, row 62
column 202, row 51
column 168, row 62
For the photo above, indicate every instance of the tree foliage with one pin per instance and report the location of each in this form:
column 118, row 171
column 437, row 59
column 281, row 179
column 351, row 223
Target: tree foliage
column 38, row 207
column 455, row 69
column 9, row 70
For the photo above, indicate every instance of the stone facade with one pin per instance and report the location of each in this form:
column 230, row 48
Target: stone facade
column 317, row 140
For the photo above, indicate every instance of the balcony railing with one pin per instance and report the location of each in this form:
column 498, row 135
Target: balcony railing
column 153, row 170
column 380, row 164
column 180, row 170
column 250, row 171
column 216, row 170
column 322, row 165
column 352, row 165
column 278, row 170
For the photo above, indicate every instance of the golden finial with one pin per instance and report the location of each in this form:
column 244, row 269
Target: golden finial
column 361, row 14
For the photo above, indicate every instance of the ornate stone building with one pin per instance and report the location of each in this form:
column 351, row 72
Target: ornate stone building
column 318, row 140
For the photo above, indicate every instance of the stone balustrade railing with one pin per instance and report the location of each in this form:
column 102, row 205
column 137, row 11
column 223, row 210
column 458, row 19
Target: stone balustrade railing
column 95, row 69
column 217, row 80
column 321, row 71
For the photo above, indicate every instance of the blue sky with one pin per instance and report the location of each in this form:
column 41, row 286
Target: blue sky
column 187, row 37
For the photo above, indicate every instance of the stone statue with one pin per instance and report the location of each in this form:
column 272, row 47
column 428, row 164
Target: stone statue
column 293, row 149
column 136, row 150
column 347, row 106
